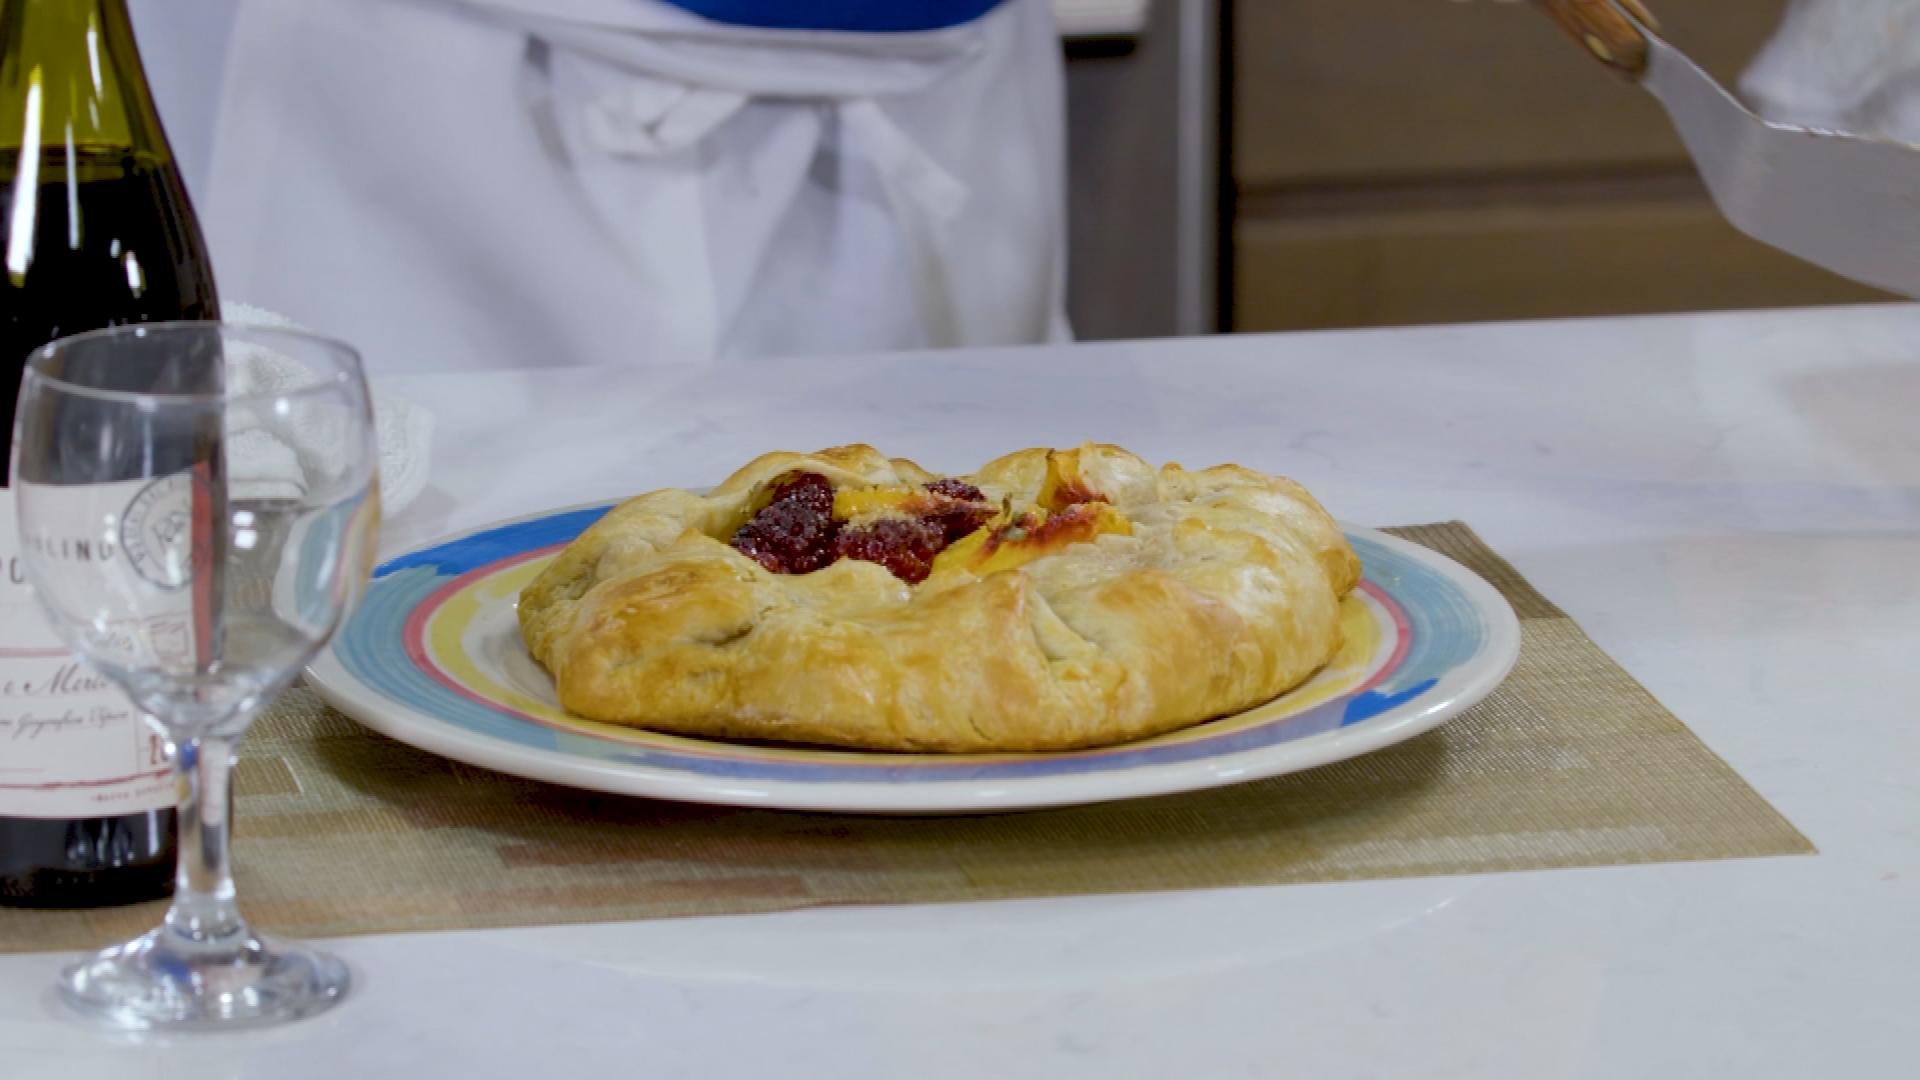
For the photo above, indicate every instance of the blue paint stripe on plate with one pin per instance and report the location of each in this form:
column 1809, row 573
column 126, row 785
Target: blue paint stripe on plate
column 470, row 553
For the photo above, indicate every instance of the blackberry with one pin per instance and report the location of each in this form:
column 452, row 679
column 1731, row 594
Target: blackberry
column 956, row 489
column 905, row 546
column 795, row 533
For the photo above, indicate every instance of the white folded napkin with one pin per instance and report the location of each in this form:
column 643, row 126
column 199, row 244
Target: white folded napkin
column 1842, row 65
column 272, row 457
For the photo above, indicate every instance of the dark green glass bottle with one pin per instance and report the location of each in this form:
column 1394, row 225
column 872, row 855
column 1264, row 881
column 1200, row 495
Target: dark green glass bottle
column 98, row 232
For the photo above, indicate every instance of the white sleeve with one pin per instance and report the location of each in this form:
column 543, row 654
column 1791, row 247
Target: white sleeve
column 1843, row 65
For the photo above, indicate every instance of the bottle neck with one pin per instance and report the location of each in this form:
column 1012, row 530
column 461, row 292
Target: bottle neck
column 71, row 80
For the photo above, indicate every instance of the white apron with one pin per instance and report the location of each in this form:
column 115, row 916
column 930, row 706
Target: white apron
column 473, row 184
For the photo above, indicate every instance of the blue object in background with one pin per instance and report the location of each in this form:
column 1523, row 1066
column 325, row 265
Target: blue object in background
column 865, row 16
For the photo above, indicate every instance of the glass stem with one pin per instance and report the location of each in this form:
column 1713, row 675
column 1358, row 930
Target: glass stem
column 204, row 913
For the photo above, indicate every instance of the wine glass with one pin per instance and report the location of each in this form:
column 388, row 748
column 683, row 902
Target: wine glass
column 198, row 511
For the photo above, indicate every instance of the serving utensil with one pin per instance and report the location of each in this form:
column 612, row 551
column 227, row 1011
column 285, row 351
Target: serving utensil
column 1848, row 203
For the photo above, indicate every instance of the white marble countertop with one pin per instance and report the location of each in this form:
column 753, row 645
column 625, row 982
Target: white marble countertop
column 1730, row 505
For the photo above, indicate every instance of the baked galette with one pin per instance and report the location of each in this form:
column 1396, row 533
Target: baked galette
column 1053, row 600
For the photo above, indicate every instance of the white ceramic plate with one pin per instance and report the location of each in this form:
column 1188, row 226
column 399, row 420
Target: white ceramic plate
column 434, row 658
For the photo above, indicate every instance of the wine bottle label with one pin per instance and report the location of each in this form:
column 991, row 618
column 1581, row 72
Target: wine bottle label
column 71, row 745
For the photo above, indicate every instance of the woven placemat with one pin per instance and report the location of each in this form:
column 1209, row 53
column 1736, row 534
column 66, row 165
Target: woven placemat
column 1569, row 763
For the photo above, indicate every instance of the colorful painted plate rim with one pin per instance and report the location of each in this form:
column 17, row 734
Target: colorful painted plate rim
column 1464, row 685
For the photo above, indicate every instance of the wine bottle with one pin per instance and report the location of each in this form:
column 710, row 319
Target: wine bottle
column 98, row 232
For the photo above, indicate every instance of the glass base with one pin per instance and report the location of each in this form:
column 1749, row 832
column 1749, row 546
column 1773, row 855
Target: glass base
column 164, row 981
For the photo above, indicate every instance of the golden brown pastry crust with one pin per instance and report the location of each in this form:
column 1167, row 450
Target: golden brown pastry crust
column 1226, row 595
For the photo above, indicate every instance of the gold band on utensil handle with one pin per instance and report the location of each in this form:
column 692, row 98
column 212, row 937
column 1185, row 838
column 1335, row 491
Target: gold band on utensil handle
column 1603, row 30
